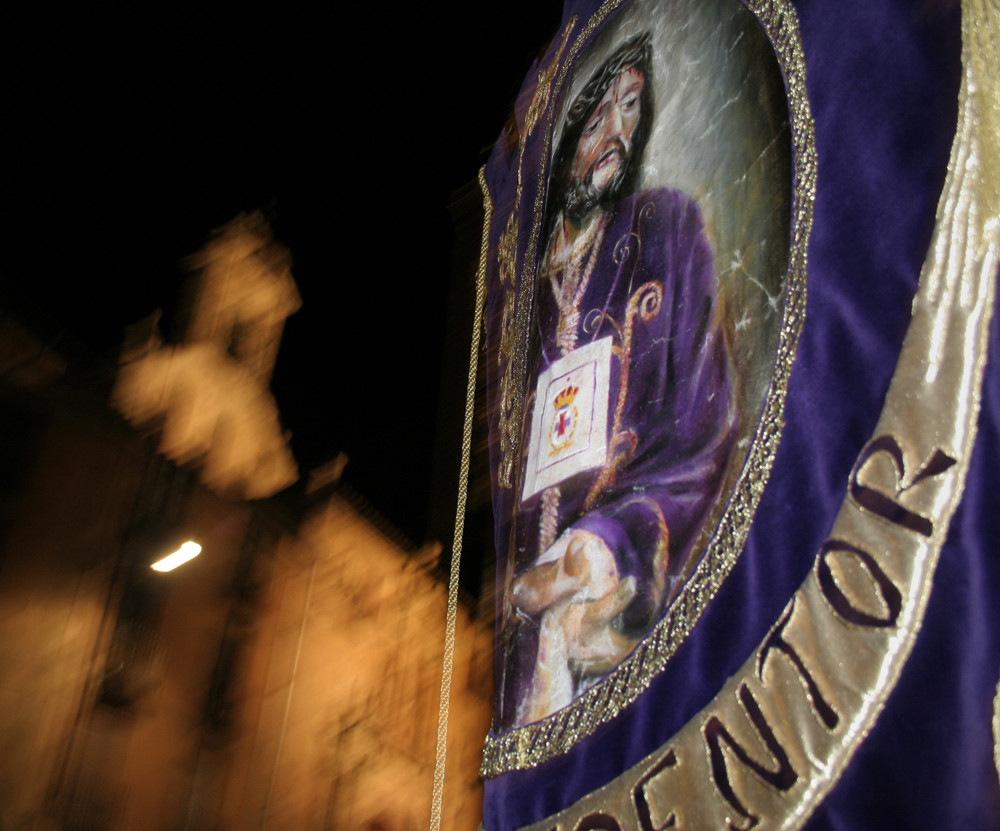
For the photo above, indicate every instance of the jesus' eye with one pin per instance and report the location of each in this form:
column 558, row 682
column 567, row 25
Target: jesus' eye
column 592, row 124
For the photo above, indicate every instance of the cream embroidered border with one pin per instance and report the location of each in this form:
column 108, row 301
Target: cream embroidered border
column 531, row 745
column 780, row 733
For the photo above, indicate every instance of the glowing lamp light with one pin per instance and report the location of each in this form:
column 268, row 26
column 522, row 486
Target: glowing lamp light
column 186, row 552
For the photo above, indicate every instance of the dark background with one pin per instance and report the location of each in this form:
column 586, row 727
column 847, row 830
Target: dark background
column 136, row 132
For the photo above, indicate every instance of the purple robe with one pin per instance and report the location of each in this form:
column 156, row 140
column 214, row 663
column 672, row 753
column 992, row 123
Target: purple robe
column 677, row 424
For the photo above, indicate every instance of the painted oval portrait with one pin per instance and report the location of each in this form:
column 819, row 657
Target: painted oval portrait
column 661, row 306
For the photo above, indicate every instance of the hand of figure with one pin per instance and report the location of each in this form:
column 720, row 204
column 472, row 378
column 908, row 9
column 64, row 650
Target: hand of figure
column 578, row 564
column 578, row 589
column 596, row 646
column 575, row 593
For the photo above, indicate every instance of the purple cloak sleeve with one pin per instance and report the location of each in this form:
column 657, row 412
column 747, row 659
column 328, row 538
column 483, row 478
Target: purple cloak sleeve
column 678, row 407
column 671, row 423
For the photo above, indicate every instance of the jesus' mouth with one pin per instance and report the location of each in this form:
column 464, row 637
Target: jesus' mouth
column 612, row 153
column 601, row 184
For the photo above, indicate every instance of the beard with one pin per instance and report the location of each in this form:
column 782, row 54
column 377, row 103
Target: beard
column 581, row 196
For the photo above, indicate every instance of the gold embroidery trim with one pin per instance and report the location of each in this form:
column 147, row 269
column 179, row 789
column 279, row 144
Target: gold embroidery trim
column 852, row 623
column 510, row 388
column 441, row 751
column 533, row 744
column 996, row 730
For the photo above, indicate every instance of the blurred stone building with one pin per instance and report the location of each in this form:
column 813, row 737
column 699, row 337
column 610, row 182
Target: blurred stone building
column 288, row 677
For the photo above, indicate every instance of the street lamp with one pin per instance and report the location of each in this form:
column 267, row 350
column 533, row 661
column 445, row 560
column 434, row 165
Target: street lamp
column 188, row 551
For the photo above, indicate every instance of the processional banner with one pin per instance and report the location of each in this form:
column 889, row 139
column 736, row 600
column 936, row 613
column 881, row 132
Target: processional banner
column 740, row 264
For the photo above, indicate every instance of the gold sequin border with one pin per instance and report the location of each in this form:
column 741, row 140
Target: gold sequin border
column 534, row 744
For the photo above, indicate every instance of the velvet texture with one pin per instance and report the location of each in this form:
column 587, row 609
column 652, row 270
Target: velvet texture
column 684, row 429
column 882, row 79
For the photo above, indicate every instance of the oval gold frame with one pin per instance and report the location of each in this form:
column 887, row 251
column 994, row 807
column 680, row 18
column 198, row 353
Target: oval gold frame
column 533, row 744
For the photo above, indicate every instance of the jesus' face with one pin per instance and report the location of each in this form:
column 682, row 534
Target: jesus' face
column 606, row 141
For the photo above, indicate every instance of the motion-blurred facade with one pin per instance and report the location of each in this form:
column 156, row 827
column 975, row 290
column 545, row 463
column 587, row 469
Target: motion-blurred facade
column 288, row 677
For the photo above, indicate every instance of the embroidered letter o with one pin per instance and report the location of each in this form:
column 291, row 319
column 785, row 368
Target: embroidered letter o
column 839, row 601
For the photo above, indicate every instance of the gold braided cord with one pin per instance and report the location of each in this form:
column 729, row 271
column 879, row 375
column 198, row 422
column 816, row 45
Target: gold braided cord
column 463, row 492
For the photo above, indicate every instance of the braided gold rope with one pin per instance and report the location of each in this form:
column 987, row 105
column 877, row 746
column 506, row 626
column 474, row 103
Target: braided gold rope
column 463, row 491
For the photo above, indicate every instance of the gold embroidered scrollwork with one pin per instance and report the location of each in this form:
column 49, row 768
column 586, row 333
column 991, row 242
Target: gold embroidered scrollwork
column 644, row 302
column 507, row 262
column 509, row 390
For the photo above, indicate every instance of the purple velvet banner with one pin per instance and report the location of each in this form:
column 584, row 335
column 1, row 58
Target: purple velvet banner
column 882, row 81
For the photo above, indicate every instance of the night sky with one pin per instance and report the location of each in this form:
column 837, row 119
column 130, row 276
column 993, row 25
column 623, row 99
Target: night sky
column 138, row 131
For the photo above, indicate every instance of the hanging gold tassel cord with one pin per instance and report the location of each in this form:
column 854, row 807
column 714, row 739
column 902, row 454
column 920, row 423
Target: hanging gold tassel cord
column 463, row 491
